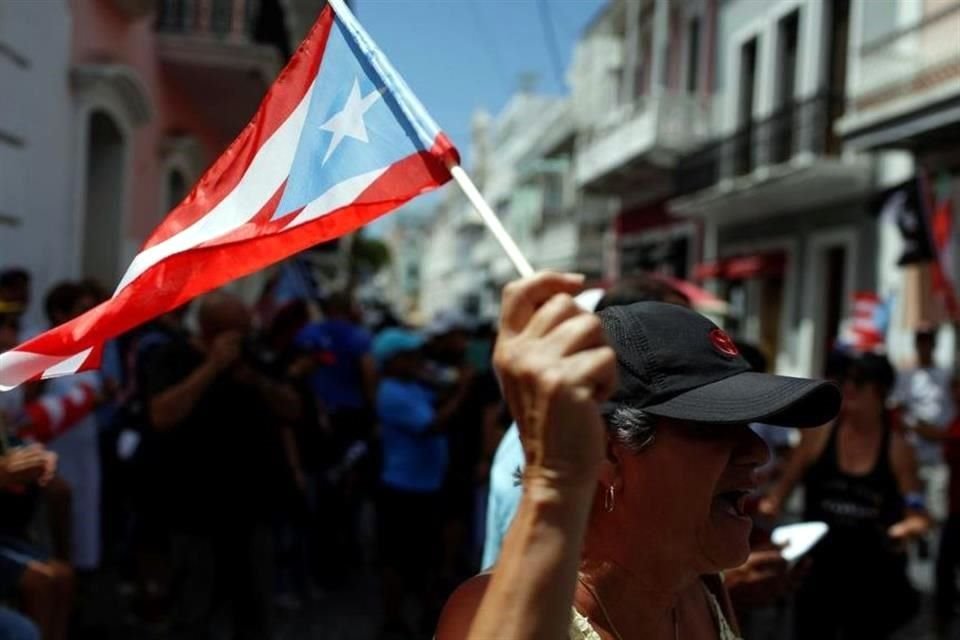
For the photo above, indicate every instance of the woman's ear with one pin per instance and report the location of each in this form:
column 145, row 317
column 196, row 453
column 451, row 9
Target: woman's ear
column 611, row 467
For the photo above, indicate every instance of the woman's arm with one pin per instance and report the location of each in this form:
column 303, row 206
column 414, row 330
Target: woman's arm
column 532, row 587
column 555, row 368
column 812, row 443
column 916, row 521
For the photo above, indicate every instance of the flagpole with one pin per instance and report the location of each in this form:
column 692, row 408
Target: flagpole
column 490, row 219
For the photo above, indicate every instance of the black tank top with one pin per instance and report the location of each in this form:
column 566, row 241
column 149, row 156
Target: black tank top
column 858, row 571
column 859, row 508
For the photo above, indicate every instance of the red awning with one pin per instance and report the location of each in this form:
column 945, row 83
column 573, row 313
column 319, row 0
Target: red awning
column 708, row 270
column 743, row 267
column 701, row 299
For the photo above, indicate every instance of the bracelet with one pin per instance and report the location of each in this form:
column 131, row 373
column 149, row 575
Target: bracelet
column 915, row 501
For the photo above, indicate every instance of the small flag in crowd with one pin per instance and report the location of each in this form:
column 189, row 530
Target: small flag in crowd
column 338, row 140
column 866, row 331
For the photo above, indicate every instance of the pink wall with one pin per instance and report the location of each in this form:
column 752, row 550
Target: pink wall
column 102, row 34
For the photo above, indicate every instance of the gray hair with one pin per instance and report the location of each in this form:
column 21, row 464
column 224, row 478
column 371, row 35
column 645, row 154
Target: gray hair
column 631, row 427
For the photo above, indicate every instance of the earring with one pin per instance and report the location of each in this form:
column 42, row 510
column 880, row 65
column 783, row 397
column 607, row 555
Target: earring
column 609, row 499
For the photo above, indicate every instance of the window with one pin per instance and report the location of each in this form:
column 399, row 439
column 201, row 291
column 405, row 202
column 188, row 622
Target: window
column 693, row 55
column 782, row 135
column 103, row 224
column 743, row 141
column 788, row 32
column 878, row 19
column 748, row 73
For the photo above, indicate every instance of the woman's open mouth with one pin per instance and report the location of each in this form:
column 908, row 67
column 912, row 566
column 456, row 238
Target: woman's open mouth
column 734, row 502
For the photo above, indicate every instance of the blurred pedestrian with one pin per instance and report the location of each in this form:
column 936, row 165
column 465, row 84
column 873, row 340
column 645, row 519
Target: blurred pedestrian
column 78, row 447
column 948, row 553
column 923, row 393
column 415, row 461
column 860, row 477
column 448, row 371
column 42, row 585
column 220, row 418
column 15, row 287
column 144, row 457
column 343, row 382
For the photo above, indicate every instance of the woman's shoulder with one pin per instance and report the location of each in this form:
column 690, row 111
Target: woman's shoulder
column 461, row 607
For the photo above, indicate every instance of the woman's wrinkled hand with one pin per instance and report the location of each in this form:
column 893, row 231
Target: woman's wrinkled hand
column 555, row 367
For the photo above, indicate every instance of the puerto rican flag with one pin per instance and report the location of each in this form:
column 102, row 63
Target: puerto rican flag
column 338, row 140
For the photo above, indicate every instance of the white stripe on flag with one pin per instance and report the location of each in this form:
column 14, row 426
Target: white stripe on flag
column 339, row 195
column 267, row 171
column 67, row 365
column 17, row 366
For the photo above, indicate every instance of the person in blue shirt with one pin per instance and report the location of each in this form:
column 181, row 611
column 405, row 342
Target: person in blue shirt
column 415, row 459
column 344, row 379
column 342, row 383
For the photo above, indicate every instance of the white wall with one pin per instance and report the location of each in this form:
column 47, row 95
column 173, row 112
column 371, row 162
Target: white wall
column 35, row 178
column 593, row 74
column 872, row 19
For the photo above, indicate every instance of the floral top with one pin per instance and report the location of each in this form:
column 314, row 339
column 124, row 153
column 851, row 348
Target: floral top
column 581, row 629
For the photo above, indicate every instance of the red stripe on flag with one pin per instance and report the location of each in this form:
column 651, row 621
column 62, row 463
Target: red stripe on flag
column 225, row 173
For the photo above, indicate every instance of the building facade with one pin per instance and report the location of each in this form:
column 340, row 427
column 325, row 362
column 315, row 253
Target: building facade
column 35, row 117
column 642, row 87
column 736, row 143
column 117, row 106
column 787, row 232
column 903, row 99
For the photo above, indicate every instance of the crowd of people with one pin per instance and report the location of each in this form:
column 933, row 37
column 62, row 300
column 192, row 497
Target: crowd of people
column 617, row 474
column 224, row 461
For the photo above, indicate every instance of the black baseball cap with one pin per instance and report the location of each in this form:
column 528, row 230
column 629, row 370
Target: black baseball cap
column 675, row 363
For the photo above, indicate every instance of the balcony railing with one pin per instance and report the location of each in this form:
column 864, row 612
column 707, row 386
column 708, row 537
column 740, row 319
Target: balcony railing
column 698, row 170
column 223, row 19
column 798, row 127
column 653, row 130
column 680, row 120
column 909, row 60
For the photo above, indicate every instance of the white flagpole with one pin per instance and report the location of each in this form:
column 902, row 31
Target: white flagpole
column 490, row 219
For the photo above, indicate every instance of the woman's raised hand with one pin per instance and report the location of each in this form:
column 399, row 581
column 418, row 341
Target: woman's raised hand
column 555, row 367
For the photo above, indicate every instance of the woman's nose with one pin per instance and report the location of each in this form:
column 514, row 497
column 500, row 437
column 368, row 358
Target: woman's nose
column 751, row 450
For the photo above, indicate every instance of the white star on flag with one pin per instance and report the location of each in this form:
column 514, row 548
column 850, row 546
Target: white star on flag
column 349, row 120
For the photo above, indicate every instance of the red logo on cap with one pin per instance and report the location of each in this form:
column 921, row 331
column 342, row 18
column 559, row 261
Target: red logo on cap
column 724, row 343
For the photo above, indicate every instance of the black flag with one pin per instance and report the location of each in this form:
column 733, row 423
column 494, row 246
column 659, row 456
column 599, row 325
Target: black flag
column 903, row 205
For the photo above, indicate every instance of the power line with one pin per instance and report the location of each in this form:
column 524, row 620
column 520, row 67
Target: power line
column 488, row 43
column 550, row 37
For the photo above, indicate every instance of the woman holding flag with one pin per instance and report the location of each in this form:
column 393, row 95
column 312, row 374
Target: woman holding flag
column 634, row 424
